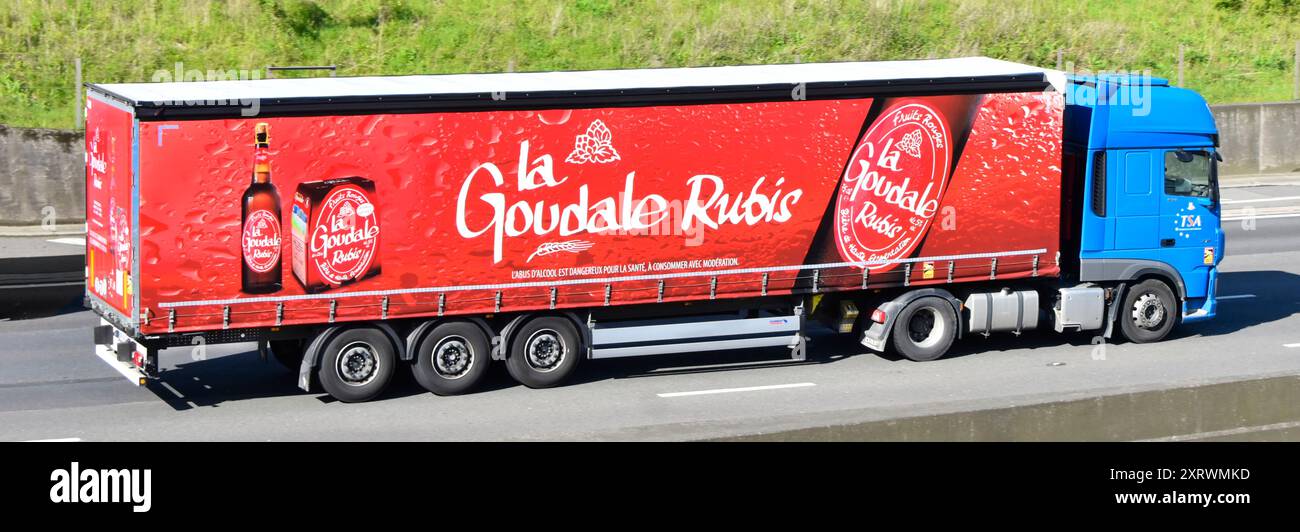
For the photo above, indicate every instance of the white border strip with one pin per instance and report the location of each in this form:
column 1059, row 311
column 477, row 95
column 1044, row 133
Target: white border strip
column 603, row 280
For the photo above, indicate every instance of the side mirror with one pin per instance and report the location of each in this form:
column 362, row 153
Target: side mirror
column 1218, row 156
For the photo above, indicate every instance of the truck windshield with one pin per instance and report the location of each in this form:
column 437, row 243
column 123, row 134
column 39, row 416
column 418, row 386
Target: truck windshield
column 1188, row 173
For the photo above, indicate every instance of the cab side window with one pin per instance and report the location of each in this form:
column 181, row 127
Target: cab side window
column 1187, row 173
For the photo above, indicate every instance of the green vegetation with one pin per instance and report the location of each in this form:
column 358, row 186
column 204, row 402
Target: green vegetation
column 1236, row 50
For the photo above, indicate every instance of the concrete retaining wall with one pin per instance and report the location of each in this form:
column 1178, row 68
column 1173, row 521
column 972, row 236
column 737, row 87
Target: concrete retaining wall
column 42, row 168
column 1259, row 138
column 42, row 173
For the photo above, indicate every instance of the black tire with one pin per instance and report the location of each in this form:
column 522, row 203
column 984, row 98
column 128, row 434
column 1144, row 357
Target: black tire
column 288, row 353
column 925, row 329
column 547, row 367
column 357, row 364
column 1150, row 311
column 452, row 358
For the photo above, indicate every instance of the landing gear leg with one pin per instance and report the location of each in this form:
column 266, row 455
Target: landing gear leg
column 799, row 348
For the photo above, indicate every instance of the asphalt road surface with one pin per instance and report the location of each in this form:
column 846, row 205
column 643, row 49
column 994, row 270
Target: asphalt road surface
column 52, row 387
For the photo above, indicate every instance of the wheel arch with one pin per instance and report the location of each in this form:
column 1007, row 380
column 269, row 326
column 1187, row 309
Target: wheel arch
column 1101, row 270
column 1175, row 285
column 417, row 334
column 880, row 332
column 312, row 353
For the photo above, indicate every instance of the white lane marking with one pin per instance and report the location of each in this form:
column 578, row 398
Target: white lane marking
column 69, row 241
column 1238, row 296
column 173, row 390
column 1260, row 200
column 1290, row 345
column 734, row 390
column 1259, row 211
column 1264, row 217
column 1255, row 183
column 52, row 440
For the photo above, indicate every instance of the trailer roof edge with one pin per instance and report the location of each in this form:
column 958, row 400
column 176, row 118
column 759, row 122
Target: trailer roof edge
column 601, row 88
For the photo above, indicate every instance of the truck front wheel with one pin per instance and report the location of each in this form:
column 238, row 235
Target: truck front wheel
column 452, row 358
column 544, row 351
column 1149, row 312
column 925, row 329
column 357, row 364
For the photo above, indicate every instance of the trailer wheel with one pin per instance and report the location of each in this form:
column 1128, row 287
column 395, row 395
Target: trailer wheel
column 1149, row 312
column 544, row 352
column 288, row 352
column 357, row 364
column 925, row 329
column 452, row 358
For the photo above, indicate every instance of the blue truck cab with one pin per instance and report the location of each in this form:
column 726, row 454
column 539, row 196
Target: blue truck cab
column 1141, row 157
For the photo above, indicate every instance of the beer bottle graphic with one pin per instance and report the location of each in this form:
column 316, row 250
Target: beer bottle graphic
column 260, row 268
column 894, row 181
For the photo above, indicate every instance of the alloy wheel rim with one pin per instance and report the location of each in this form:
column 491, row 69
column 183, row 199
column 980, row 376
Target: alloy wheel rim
column 453, row 357
column 357, row 364
column 545, row 350
column 1148, row 311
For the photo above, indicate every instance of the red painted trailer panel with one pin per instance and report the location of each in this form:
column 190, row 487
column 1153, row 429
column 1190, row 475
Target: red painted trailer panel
column 109, row 227
column 496, row 211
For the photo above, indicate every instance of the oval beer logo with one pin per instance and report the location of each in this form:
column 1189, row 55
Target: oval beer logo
column 891, row 189
column 261, row 241
column 346, row 235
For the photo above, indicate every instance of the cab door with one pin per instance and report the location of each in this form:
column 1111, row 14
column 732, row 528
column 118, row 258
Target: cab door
column 1190, row 236
column 1137, row 201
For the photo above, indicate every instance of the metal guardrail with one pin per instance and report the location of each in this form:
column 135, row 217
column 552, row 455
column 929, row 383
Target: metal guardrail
column 42, row 272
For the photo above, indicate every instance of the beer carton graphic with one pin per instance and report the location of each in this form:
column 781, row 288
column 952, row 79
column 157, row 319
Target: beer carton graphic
column 335, row 225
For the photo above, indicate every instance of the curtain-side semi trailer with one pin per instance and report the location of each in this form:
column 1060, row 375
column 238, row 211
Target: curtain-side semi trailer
column 354, row 227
